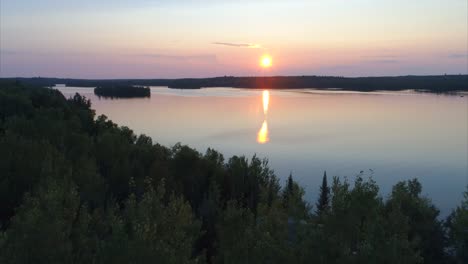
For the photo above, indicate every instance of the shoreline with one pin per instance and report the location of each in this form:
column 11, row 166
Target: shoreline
column 431, row 84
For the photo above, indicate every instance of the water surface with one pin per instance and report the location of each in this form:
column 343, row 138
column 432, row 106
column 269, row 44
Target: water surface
column 392, row 136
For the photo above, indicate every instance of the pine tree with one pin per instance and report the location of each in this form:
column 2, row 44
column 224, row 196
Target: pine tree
column 324, row 198
column 288, row 190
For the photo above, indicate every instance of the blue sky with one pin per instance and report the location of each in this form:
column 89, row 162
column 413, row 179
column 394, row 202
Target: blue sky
column 151, row 39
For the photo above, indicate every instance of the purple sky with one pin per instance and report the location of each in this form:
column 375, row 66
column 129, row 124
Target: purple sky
column 167, row 39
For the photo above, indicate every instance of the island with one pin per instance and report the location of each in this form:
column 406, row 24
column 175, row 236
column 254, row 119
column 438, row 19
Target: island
column 122, row 91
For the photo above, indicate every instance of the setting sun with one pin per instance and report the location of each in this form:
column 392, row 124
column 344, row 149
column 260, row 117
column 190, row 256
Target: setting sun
column 266, row 61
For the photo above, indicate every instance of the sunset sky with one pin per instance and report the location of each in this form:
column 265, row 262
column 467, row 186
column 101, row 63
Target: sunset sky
column 169, row 38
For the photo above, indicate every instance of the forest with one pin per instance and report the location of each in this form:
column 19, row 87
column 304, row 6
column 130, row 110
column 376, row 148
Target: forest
column 77, row 188
column 122, row 91
column 435, row 84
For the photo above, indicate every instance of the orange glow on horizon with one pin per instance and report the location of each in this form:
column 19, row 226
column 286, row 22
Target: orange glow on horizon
column 262, row 135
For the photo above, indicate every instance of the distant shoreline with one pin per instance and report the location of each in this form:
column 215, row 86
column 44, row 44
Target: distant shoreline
column 434, row 83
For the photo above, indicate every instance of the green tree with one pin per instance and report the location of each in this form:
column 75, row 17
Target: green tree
column 293, row 200
column 458, row 231
column 425, row 228
column 323, row 201
column 43, row 229
column 244, row 238
column 151, row 230
column 236, row 235
column 288, row 190
column 356, row 228
column 21, row 169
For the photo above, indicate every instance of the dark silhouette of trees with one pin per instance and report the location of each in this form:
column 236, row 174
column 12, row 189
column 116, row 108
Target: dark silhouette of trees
column 122, row 91
column 288, row 190
column 324, row 199
column 457, row 224
column 76, row 188
column 434, row 83
column 425, row 228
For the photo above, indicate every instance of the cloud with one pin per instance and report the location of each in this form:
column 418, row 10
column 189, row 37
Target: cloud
column 239, row 45
column 193, row 58
column 384, row 56
column 385, row 61
column 458, row 55
column 8, row 52
column 381, row 58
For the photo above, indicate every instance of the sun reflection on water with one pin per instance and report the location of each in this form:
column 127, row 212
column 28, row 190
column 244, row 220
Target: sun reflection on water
column 266, row 101
column 262, row 135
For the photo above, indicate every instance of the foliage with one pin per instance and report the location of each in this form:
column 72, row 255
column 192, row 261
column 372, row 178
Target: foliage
column 435, row 83
column 323, row 202
column 458, row 231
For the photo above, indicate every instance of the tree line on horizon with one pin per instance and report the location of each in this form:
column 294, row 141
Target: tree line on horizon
column 77, row 188
column 434, row 83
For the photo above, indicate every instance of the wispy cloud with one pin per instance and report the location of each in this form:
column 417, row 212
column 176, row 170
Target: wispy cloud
column 239, row 45
column 458, row 55
column 382, row 56
column 199, row 58
column 8, row 52
column 384, row 61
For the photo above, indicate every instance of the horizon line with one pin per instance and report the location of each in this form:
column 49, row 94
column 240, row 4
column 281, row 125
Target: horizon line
column 233, row 76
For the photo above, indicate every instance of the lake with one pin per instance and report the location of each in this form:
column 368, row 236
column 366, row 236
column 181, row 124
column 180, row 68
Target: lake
column 391, row 136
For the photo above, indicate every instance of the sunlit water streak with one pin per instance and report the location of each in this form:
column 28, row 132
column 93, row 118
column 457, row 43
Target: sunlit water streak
column 266, row 101
column 262, row 135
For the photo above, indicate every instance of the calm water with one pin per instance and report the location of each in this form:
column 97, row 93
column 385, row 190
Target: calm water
column 393, row 136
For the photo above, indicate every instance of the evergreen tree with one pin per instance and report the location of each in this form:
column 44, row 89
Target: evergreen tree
column 324, row 198
column 288, row 190
column 458, row 231
column 293, row 200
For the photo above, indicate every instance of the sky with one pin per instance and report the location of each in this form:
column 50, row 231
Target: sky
column 206, row 38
